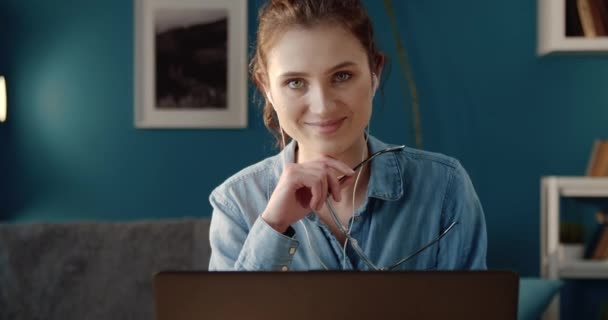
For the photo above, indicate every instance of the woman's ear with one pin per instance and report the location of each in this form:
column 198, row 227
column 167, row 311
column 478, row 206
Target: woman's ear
column 380, row 59
column 374, row 84
column 262, row 84
column 269, row 98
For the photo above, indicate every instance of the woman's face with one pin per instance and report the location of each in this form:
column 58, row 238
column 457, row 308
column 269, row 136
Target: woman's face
column 320, row 85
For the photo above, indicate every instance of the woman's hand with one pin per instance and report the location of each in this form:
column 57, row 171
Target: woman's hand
column 303, row 187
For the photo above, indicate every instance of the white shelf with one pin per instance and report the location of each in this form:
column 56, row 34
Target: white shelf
column 552, row 32
column 591, row 187
column 575, row 45
column 584, row 269
column 553, row 189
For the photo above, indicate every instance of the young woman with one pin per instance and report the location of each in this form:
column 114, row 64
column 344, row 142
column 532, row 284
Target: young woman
column 318, row 69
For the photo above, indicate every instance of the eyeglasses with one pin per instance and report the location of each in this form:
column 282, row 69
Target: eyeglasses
column 368, row 159
column 354, row 243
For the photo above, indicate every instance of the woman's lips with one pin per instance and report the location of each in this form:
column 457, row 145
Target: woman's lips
column 328, row 126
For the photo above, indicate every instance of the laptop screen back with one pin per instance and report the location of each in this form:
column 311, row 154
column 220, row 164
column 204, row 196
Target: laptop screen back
column 336, row 295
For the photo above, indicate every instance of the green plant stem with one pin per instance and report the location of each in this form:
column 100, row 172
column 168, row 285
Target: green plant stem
column 405, row 66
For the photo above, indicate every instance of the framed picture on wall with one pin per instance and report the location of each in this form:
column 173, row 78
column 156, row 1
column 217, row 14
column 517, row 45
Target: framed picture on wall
column 190, row 64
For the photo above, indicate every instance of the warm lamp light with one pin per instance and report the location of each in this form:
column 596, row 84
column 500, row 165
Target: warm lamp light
column 2, row 99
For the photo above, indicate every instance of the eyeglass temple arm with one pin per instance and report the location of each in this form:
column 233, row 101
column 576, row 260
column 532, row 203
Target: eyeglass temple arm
column 390, row 149
column 353, row 241
column 360, row 252
column 423, row 248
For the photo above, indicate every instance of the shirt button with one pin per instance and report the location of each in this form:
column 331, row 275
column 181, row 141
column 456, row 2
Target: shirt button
column 284, row 268
column 357, row 218
column 292, row 251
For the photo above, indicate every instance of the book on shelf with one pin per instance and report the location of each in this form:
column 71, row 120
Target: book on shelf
column 601, row 250
column 592, row 245
column 597, row 247
column 598, row 161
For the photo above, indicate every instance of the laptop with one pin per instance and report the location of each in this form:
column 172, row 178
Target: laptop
column 324, row 295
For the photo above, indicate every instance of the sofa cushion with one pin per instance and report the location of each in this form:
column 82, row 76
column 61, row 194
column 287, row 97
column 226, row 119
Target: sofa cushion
column 535, row 295
column 89, row 270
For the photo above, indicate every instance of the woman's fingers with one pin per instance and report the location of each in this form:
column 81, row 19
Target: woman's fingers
column 346, row 181
column 338, row 165
column 303, row 187
column 334, row 187
column 326, row 168
column 316, row 180
column 323, row 191
column 317, row 195
column 313, row 179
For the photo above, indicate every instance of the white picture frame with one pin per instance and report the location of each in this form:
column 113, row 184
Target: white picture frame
column 181, row 82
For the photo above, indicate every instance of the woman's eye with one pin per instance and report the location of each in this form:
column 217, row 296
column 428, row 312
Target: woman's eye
column 343, row 76
column 295, row 84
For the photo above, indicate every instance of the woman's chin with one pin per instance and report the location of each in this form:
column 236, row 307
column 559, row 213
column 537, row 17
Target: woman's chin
column 330, row 147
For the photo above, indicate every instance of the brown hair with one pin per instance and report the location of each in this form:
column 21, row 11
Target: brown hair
column 276, row 16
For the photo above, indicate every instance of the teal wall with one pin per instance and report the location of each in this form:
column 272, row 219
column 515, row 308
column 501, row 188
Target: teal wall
column 4, row 132
column 71, row 152
column 507, row 114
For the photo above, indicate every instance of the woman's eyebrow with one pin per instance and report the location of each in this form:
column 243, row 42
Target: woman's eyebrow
column 292, row 74
column 341, row 65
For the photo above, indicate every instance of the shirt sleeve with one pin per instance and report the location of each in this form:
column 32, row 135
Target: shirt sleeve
column 464, row 248
column 239, row 246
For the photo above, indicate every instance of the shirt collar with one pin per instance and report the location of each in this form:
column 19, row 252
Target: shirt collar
column 386, row 181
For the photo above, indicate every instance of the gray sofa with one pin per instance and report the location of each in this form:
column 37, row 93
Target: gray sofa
column 89, row 270
column 98, row 271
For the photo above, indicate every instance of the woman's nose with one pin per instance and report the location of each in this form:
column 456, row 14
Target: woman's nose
column 321, row 100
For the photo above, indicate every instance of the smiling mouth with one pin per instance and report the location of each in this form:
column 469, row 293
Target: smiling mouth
column 329, row 126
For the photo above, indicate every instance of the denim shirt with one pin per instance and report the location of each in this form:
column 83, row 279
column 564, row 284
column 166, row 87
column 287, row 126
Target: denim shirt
column 412, row 197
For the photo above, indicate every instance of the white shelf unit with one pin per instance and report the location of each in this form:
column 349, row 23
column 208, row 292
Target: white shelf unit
column 553, row 188
column 552, row 32
column 584, row 270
